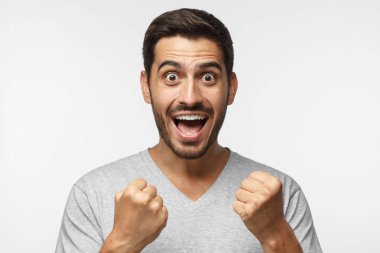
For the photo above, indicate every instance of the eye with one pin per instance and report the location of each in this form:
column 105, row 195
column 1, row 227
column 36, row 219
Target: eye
column 171, row 78
column 208, row 78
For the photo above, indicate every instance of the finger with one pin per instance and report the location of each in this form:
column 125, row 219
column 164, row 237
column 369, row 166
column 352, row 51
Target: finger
column 260, row 175
column 164, row 210
column 267, row 179
column 264, row 177
column 165, row 214
column 156, row 204
column 142, row 198
column 244, row 195
column 151, row 190
column 118, row 195
column 139, row 183
column 159, row 200
column 252, row 185
column 238, row 207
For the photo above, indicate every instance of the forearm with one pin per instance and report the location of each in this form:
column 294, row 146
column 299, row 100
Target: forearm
column 112, row 245
column 282, row 241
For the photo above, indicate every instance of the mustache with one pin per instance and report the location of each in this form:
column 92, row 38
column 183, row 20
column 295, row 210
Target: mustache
column 196, row 107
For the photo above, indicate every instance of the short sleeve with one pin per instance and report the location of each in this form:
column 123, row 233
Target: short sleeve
column 79, row 231
column 299, row 217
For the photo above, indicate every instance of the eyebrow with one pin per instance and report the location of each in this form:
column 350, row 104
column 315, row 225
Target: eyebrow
column 201, row 66
column 170, row 63
column 210, row 65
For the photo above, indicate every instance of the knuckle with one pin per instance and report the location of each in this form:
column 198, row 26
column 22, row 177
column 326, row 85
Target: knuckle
column 159, row 199
column 154, row 188
column 237, row 208
column 253, row 174
column 165, row 213
column 143, row 199
column 150, row 189
column 129, row 192
column 276, row 185
column 155, row 206
column 140, row 180
column 245, row 183
column 164, row 221
column 118, row 196
column 265, row 192
column 238, row 193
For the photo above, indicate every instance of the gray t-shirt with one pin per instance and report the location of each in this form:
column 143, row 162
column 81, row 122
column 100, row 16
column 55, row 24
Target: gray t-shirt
column 208, row 224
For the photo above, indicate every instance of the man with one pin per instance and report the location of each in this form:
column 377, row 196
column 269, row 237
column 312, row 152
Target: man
column 187, row 193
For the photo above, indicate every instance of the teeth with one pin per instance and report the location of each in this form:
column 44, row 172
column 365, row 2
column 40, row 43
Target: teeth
column 190, row 117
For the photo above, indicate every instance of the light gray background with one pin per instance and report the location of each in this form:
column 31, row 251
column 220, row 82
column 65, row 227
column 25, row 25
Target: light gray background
column 308, row 104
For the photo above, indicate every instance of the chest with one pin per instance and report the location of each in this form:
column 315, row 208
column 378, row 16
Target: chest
column 213, row 227
column 206, row 225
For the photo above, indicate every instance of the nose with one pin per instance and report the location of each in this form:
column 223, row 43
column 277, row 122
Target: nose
column 190, row 93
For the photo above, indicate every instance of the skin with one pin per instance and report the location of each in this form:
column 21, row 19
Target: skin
column 188, row 76
column 259, row 204
column 207, row 158
column 139, row 218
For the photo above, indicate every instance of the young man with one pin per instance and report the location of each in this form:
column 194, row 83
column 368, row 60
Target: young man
column 187, row 193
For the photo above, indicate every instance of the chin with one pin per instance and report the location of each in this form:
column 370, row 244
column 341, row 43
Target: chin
column 189, row 152
column 190, row 155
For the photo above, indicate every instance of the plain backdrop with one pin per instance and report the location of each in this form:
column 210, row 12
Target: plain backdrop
column 308, row 104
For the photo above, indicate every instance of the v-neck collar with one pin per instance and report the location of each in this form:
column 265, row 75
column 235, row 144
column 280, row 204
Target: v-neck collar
column 179, row 196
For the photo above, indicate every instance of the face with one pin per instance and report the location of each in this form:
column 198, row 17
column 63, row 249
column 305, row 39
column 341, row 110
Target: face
column 189, row 93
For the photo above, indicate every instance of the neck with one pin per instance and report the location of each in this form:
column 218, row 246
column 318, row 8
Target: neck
column 211, row 163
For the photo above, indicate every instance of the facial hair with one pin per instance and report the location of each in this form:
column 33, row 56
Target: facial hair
column 163, row 129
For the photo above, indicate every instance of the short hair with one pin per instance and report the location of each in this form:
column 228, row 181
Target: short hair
column 192, row 24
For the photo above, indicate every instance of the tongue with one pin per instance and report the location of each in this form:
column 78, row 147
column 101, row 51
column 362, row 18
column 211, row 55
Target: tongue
column 190, row 127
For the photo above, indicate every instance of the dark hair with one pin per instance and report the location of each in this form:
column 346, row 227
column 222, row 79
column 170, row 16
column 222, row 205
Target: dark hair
column 192, row 24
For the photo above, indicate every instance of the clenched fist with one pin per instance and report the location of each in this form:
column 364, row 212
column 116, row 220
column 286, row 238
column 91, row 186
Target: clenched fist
column 139, row 218
column 259, row 204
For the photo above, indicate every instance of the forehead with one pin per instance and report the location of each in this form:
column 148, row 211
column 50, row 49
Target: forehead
column 186, row 50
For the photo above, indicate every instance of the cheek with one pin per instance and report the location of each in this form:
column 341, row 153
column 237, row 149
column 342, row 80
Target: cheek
column 163, row 99
column 217, row 98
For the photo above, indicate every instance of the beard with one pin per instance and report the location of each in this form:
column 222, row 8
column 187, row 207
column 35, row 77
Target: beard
column 179, row 150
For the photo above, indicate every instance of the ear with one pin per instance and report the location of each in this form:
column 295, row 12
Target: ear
column 232, row 89
column 144, row 83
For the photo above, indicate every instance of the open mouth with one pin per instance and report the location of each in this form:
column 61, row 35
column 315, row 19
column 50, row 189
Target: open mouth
column 190, row 125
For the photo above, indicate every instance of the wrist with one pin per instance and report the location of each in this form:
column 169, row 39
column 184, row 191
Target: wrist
column 280, row 238
column 114, row 245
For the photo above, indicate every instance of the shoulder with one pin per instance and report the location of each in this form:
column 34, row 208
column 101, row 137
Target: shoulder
column 244, row 166
column 113, row 175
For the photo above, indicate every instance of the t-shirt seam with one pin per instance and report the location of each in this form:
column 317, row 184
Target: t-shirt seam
column 294, row 193
column 97, row 218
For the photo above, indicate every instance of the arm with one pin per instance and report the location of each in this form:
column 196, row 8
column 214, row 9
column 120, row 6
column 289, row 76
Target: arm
column 139, row 218
column 282, row 240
